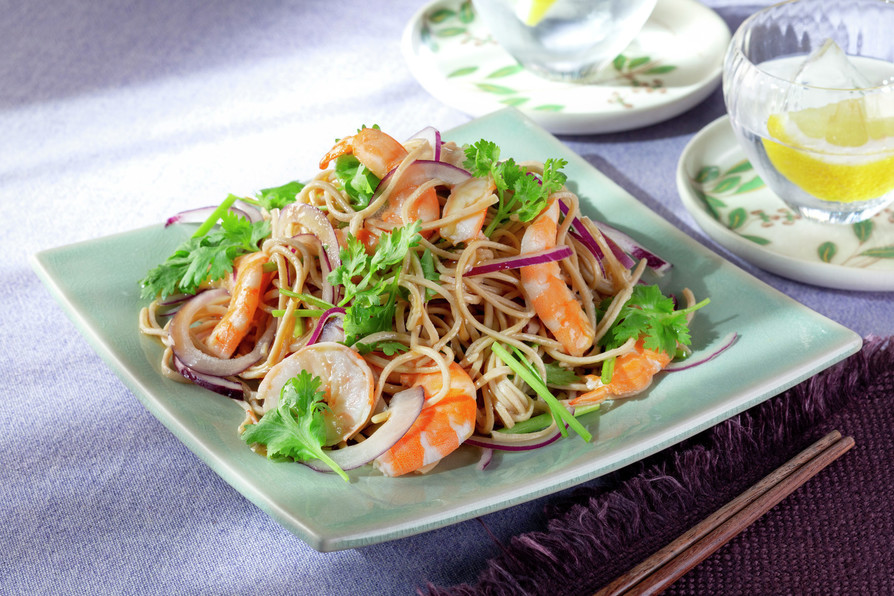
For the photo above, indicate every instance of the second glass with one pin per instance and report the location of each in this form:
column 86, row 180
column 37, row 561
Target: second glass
column 809, row 87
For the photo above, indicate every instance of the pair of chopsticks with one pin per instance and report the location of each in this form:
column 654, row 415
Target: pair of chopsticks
column 673, row 561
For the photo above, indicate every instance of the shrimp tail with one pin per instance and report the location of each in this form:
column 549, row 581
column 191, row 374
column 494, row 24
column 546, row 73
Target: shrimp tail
column 344, row 147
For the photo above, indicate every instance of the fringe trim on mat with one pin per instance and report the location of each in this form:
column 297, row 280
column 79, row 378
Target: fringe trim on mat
column 596, row 533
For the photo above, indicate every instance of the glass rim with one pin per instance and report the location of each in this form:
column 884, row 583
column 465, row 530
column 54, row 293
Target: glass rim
column 736, row 46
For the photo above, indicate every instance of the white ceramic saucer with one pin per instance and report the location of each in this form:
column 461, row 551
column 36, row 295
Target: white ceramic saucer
column 672, row 65
column 731, row 203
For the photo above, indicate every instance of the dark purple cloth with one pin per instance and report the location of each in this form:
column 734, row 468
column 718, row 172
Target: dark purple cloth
column 834, row 535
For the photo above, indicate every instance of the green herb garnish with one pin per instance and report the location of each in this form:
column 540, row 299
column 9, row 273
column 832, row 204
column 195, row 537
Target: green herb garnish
column 358, row 182
column 370, row 282
column 518, row 192
column 559, row 412
column 276, row 197
column 295, row 429
column 207, row 255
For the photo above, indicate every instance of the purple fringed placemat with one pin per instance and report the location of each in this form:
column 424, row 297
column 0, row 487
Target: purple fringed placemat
column 834, row 535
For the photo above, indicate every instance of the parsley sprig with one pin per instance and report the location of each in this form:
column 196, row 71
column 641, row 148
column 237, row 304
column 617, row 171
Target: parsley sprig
column 518, row 192
column 207, row 255
column 275, row 197
column 648, row 315
column 295, row 429
column 358, row 182
column 370, row 282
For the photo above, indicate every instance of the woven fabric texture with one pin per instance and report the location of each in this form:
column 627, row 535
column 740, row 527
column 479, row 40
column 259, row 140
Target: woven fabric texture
column 815, row 537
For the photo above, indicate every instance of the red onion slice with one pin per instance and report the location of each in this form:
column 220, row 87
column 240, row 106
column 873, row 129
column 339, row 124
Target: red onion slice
column 522, row 260
column 433, row 136
column 487, row 455
column 725, row 344
column 632, row 247
column 318, row 334
column 426, row 169
column 492, row 443
column 318, row 224
column 199, row 361
column 583, row 234
column 405, row 408
column 220, row 385
column 200, row 214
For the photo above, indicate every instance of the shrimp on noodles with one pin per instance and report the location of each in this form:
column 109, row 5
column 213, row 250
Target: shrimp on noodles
column 406, row 298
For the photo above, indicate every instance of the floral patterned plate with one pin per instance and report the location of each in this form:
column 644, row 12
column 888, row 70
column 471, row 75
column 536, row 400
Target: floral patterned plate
column 731, row 203
column 672, row 65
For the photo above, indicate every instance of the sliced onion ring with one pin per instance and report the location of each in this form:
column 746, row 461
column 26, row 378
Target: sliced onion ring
column 200, row 214
column 487, row 455
column 220, row 385
column 494, row 443
column 522, row 260
column 633, row 248
column 405, row 408
column 583, row 234
column 199, row 361
column 316, row 223
column 317, row 335
column 433, row 136
column 725, row 344
column 447, row 173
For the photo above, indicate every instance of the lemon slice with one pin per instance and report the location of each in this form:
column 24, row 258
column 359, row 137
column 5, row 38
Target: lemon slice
column 841, row 152
column 536, row 11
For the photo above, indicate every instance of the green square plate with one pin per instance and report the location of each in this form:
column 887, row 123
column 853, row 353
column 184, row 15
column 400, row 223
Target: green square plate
column 780, row 343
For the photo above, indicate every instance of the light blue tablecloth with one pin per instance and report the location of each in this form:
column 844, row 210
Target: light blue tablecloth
column 116, row 114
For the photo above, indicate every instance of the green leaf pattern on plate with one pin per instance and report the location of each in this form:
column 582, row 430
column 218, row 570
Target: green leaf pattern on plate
column 723, row 192
column 637, row 71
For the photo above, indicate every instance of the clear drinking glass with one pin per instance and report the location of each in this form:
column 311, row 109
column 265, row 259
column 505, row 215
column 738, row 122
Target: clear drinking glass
column 567, row 40
column 809, row 87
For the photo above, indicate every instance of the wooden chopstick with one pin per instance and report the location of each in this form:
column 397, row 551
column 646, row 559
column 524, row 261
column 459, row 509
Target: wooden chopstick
column 673, row 561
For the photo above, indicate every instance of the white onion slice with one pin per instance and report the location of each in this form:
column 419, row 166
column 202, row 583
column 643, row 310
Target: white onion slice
column 522, row 260
column 199, row 361
column 725, row 344
column 405, row 408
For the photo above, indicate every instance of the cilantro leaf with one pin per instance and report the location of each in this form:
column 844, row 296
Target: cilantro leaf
column 518, row 192
column 370, row 282
column 366, row 316
column 559, row 375
column 206, row 256
column 295, row 429
column 278, row 196
column 389, row 348
column 356, row 179
column 650, row 315
column 429, row 271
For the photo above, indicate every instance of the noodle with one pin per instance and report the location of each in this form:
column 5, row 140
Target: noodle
column 443, row 315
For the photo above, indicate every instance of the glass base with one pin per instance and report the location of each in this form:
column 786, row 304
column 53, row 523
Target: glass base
column 840, row 217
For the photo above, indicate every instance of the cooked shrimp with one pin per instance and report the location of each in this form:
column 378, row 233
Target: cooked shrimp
column 440, row 428
column 244, row 299
column 469, row 194
column 632, row 374
column 347, row 380
column 381, row 154
column 552, row 299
